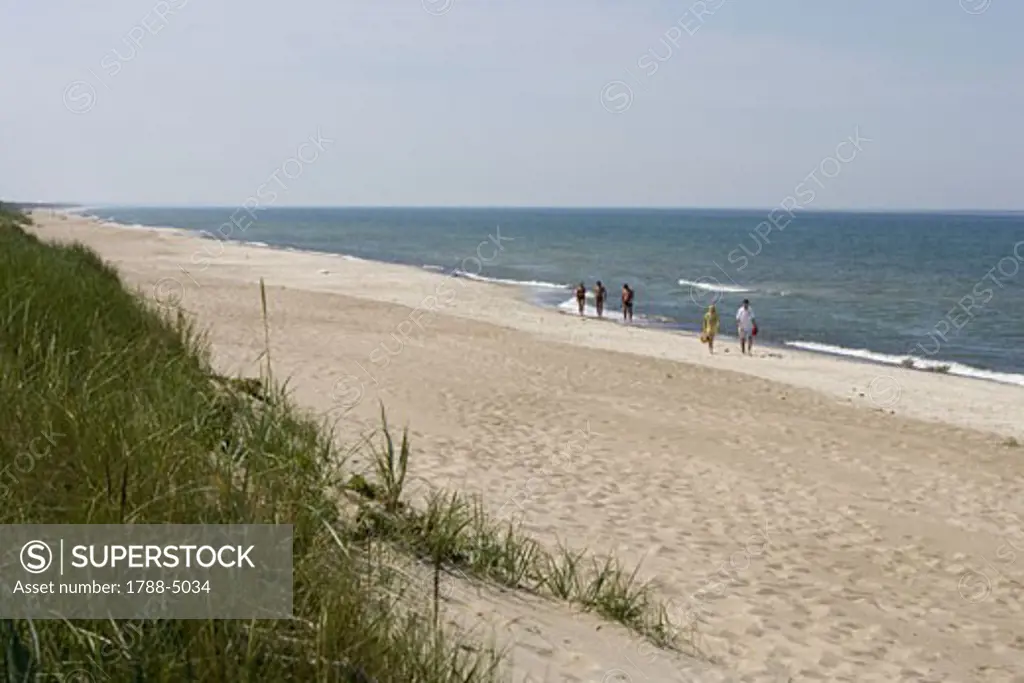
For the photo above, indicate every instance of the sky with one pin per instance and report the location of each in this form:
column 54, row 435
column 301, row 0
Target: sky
column 916, row 104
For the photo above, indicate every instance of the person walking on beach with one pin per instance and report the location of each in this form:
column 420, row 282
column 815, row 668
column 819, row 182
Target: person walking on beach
column 627, row 303
column 581, row 297
column 710, row 328
column 599, row 296
column 745, row 325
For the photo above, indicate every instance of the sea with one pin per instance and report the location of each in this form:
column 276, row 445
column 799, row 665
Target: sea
column 942, row 292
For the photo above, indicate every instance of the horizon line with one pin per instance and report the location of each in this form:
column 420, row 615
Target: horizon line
column 847, row 210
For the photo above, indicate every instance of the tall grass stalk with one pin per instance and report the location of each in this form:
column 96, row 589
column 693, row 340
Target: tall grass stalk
column 391, row 468
column 265, row 317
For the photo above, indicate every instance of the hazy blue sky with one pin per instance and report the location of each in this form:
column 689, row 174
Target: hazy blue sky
column 487, row 102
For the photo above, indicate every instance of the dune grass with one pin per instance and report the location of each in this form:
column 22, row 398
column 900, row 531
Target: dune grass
column 110, row 414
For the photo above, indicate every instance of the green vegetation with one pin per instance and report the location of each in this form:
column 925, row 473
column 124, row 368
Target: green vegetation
column 111, row 414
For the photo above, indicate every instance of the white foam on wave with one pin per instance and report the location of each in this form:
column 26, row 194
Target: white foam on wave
column 262, row 245
column 428, row 266
column 713, row 285
column 918, row 363
column 537, row 284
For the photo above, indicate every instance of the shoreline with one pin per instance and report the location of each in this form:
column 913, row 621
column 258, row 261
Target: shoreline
column 532, row 293
column 854, row 380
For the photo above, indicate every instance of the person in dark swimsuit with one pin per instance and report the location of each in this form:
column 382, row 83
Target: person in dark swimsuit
column 600, row 293
column 627, row 303
column 581, row 297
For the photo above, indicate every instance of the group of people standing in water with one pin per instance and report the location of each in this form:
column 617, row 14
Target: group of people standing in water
column 746, row 324
column 600, row 295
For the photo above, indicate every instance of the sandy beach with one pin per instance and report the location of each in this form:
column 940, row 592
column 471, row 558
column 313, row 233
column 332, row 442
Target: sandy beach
column 823, row 519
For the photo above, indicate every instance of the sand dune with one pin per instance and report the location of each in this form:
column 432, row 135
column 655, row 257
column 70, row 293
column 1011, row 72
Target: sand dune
column 820, row 519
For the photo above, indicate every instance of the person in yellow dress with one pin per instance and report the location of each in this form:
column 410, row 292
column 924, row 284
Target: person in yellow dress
column 710, row 328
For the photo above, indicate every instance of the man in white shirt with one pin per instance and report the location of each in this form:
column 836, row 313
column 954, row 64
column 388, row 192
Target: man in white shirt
column 745, row 326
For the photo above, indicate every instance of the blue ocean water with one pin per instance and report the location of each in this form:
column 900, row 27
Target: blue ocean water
column 942, row 288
